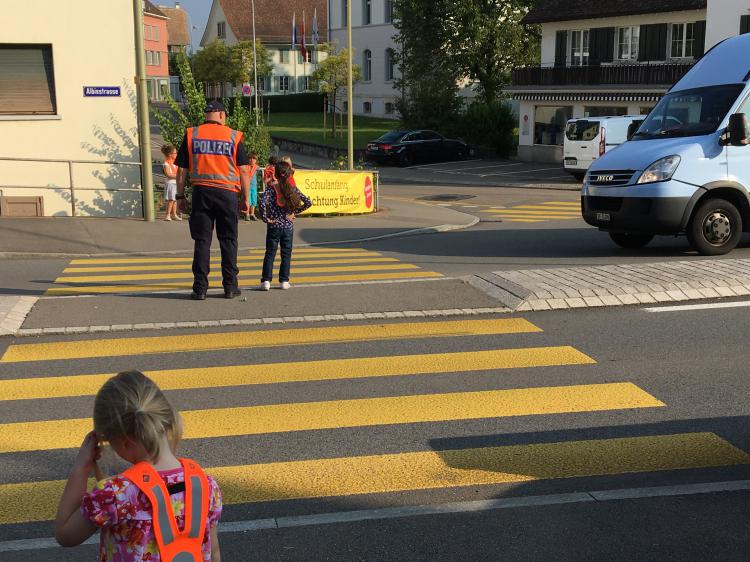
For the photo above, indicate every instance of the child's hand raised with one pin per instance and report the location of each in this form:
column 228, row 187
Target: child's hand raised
column 89, row 453
column 290, row 217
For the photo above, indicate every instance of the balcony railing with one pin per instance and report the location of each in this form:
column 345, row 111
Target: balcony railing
column 616, row 74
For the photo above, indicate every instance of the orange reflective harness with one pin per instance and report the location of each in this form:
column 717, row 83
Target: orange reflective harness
column 212, row 154
column 175, row 545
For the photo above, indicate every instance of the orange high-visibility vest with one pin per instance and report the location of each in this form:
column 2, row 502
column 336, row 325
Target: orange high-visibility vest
column 212, row 151
column 175, row 545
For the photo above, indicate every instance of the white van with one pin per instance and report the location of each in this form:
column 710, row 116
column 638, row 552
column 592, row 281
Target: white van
column 588, row 138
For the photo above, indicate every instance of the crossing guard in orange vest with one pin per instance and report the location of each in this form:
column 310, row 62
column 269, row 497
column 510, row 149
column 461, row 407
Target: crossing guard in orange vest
column 214, row 158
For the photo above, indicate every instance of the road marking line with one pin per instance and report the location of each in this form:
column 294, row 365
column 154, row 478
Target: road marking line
column 217, row 275
column 116, row 261
column 301, row 260
column 523, row 220
column 361, row 412
column 341, row 477
column 553, row 208
column 304, row 371
column 327, row 279
column 517, row 211
column 688, row 307
column 576, row 204
column 401, row 512
column 375, row 331
column 442, row 163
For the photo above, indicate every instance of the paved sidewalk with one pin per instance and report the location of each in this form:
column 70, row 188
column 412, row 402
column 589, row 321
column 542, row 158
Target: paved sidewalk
column 13, row 313
column 616, row 285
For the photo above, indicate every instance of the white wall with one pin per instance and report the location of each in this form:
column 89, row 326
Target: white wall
column 85, row 53
column 723, row 19
column 550, row 29
column 375, row 37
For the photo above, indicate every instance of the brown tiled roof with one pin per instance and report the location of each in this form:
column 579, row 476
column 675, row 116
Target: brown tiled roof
column 273, row 18
column 566, row 10
column 149, row 8
column 178, row 28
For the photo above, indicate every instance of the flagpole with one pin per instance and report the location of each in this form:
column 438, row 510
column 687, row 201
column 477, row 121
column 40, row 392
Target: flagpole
column 255, row 67
column 350, row 86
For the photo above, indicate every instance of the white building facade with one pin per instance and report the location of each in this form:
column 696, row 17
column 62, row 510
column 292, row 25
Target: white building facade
column 374, row 49
column 68, row 120
column 230, row 21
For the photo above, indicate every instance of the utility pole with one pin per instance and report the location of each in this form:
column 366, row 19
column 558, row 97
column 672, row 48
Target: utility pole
column 255, row 69
column 144, row 132
column 350, row 86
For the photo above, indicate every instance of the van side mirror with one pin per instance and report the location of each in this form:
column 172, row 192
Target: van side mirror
column 737, row 130
column 633, row 127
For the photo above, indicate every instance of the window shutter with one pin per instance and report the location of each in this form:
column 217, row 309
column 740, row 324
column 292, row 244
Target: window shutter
column 652, row 44
column 601, row 45
column 561, row 48
column 700, row 38
column 27, row 84
column 744, row 24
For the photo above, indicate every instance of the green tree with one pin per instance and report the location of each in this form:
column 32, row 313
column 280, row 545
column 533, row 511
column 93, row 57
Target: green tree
column 332, row 74
column 489, row 40
column 221, row 63
column 429, row 74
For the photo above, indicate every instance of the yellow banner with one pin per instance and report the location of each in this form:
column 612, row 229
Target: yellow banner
column 337, row 192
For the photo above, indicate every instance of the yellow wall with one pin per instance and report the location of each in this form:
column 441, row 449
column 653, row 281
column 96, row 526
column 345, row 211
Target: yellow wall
column 92, row 45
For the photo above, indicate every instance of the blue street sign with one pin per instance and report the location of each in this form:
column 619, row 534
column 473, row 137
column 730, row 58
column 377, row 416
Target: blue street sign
column 101, row 91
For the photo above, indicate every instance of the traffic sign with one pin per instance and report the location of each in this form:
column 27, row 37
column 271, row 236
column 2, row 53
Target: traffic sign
column 247, row 89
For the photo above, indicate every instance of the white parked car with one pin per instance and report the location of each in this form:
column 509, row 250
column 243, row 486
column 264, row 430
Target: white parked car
column 588, row 138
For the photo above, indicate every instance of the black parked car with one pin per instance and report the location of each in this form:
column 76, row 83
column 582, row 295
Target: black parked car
column 410, row 147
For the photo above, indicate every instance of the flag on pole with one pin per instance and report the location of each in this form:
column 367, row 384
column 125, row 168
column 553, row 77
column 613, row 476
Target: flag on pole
column 315, row 34
column 302, row 46
column 294, row 31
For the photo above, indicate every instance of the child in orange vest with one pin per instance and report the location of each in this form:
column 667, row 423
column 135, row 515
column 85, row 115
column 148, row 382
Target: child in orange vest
column 134, row 416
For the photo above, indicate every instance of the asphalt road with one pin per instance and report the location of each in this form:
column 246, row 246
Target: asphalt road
column 590, row 400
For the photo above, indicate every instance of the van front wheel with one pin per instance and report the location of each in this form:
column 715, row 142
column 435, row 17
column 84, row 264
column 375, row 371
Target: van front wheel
column 716, row 228
column 632, row 241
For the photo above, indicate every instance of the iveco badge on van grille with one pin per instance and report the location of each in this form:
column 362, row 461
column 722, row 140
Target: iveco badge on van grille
column 604, row 178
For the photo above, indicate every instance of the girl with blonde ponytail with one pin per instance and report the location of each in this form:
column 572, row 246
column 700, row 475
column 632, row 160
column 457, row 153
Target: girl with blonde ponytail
column 132, row 414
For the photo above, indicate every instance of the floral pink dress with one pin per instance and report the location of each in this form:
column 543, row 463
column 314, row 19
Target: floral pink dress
column 123, row 514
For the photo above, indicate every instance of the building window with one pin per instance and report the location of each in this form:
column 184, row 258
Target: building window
column 389, row 108
column 27, row 80
column 604, row 111
column 283, row 83
column 261, row 83
column 221, row 30
column 283, row 56
column 645, row 110
column 366, row 12
column 627, row 42
column 389, row 65
column 549, row 124
column 367, row 107
column 683, row 40
column 367, row 65
column 149, row 58
column 343, row 13
column 346, row 106
column 388, row 11
column 157, row 58
column 308, row 57
column 155, row 33
column 579, row 47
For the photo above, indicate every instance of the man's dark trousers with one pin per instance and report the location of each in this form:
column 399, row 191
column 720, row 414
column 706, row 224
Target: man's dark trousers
column 213, row 205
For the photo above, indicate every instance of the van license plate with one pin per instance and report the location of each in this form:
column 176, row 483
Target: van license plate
column 571, row 161
column 603, row 217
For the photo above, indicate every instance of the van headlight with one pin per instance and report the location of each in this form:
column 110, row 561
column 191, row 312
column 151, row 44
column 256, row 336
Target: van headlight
column 661, row 170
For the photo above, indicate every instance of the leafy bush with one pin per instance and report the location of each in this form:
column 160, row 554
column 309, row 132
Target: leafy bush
column 490, row 124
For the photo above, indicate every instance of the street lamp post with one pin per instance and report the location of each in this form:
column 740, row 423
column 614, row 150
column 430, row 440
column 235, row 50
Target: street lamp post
column 144, row 132
column 350, row 86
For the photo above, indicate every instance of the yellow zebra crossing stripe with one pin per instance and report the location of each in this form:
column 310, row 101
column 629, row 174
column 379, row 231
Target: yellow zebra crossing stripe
column 82, row 349
column 310, row 265
column 304, row 371
column 347, row 476
column 551, row 210
column 363, row 412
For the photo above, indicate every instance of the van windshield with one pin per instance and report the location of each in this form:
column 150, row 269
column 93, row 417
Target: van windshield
column 582, row 130
column 689, row 113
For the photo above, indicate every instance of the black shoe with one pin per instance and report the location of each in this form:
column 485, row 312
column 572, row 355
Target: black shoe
column 232, row 293
column 198, row 296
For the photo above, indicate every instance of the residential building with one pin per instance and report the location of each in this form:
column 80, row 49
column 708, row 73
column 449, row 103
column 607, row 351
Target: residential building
column 230, row 21
column 155, row 42
column 607, row 58
column 68, row 119
column 178, row 39
column 374, row 49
